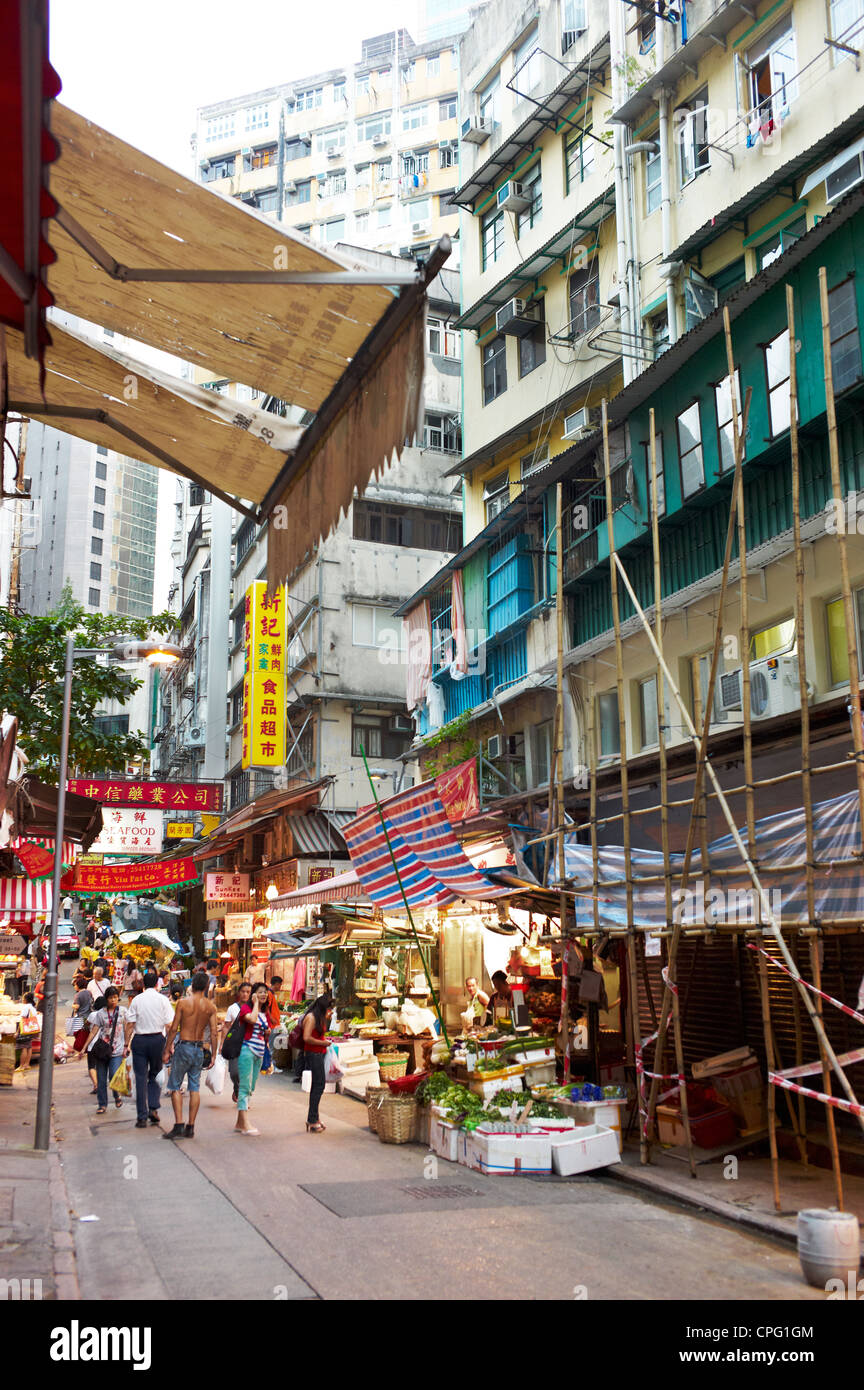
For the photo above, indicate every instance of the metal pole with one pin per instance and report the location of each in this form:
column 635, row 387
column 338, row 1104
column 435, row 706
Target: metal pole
column 42, row 1137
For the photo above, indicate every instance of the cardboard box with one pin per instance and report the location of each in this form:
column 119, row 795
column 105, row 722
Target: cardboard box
column 508, row 1153
column 744, row 1093
column 584, row 1149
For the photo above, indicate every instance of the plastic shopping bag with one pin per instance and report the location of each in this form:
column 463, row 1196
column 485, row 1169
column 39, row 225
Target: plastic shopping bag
column 306, row 1080
column 332, row 1069
column 119, row 1082
column 214, row 1078
column 162, row 1079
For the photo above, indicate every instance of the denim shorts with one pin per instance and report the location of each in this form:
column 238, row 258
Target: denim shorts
column 187, row 1061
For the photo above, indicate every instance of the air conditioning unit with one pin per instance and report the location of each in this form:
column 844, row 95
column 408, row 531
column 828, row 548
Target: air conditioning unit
column 290, row 186
column 332, row 151
column 773, row 687
column 401, row 724
column 581, row 423
column 205, row 165
column 516, row 317
column 494, row 747
column 419, row 228
column 513, row 197
column 475, row 131
column 195, row 736
column 305, row 136
column 445, row 144
column 379, row 141
column 247, row 150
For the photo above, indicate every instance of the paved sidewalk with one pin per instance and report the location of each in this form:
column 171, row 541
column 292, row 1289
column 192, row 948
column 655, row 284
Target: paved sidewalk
column 35, row 1229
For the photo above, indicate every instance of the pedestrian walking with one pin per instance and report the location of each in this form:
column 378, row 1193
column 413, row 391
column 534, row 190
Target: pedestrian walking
column 22, row 973
column 243, row 996
column 29, row 1027
column 315, row 1044
column 193, row 1017
column 97, row 983
column 254, row 1017
column 147, row 1017
column 134, row 979
column 107, row 1045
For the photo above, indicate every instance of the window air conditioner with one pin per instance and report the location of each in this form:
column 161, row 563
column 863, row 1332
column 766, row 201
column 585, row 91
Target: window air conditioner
column 290, row 186
column 332, row 151
column 205, row 165
column 513, row 197
column 475, row 130
column 580, row 423
column 419, row 228
column 401, row 724
column 445, row 145
column 247, row 151
column 494, row 747
column 305, row 136
column 516, row 317
column 379, row 141
column 773, row 687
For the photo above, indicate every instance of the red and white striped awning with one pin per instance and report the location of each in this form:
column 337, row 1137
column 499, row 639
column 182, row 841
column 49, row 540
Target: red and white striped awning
column 22, row 900
column 70, row 849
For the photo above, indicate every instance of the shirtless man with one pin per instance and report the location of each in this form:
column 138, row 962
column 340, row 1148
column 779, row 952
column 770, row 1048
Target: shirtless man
column 193, row 1017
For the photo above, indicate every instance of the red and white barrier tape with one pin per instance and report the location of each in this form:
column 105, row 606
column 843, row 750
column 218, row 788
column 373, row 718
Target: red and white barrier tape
column 844, row 1008
column 777, row 1079
column 641, row 1073
column 811, row 1068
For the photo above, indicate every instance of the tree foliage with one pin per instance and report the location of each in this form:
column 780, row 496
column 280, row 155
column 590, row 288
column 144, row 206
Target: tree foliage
column 32, row 659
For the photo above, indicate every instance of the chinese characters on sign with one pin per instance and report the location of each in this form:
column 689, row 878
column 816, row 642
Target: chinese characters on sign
column 181, row 829
column 239, row 926
column 264, row 681
column 226, row 887
column 168, row 796
column 319, row 873
column 126, row 831
column 131, row 878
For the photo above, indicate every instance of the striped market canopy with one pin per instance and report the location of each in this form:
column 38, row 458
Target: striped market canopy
column 22, row 900
column 432, row 865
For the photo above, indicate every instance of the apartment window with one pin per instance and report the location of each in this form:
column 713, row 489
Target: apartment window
column 771, row 68
column 361, row 223
column 533, row 186
column 257, row 117
column 93, row 598
column 415, row 163
column 442, row 433
column 724, row 404
column 330, row 139
column 533, row 462
column 95, row 545
column 332, row 185
column 334, row 231
column 648, row 712
column 441, row 341
column 100, row 448
column 609, row 734
column 301, row 193
column 652, row 182
column 773, row 640
column 693, row 151
column 491, row 237
column 845, row 342
column 846, row 16
column 266, row 200
column 376, row 736
column 264, row 158
column 574, row 21
column 658, row 327
column 413, row 117
column 532, row 346
column 218, row 169
column 419, row 211
column 489, row 101
column 363, row 176
column 384, row 77
column 384, row 216
column 690, row 450
column 527, row 65
column 777, row 373
column 101, row 469
column 433, row 65
column 769, row 251
column 496, row 494
column 339, row 90
column 221, row 128
column 95, row 570
column 409, row 71
column 308, row 100
column 415, row 528
column 384, row 171
column 838, row 652
column 494, row 369
column 374, row 126
column 447, row 108
column 578, row 155
column 540, row 746
column 728, row 279
column 296, row 149
column 98, row 521
column 584, row 293
column 362, row 85
column 447, row 156
column 374, row 626
column 647, row 33
column 661, row 475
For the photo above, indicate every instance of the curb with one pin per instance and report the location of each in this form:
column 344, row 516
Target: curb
column 65, row 1269
column 756, row 1221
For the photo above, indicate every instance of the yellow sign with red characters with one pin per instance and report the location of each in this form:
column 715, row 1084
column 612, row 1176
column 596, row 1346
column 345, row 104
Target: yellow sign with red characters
column 264, row 680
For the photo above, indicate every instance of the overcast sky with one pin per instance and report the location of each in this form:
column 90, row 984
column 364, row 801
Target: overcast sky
column 141, row 71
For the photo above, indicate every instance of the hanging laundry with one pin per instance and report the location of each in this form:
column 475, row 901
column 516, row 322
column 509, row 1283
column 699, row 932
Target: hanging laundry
column 416, row 181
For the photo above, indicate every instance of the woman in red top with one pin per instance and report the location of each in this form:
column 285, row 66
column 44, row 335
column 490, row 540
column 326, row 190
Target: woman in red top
column 315, row 1025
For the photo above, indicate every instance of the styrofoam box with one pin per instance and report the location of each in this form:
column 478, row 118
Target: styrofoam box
column 562, row 1122
column 534, row 1054
column 352, row 1049
column 508, row 1153
column 583, row 1149
column 444, row 1138
column 354, row 1083
column 496, row 1084
column 539, row 1073
column 599, row 1112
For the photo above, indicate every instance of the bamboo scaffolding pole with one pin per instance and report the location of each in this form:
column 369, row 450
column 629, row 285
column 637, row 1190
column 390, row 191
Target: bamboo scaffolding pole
column 661, row 686
column 564, row 1033
column 762, row 967
column 744, row 628
column 848, row 610
column 767, row 911
column 633, row 978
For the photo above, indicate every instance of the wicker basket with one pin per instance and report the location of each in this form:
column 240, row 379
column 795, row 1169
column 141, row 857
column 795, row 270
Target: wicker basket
column 397, row 1119
column 392, row 1064
column 373, row 1095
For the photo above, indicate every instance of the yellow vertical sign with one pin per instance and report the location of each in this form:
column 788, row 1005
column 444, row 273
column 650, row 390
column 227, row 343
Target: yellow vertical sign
column 264, row 680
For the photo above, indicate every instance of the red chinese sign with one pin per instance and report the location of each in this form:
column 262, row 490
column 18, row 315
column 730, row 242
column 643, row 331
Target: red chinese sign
column 318, row 873
column 36, row 860
column 131, row 878
column 191, row 796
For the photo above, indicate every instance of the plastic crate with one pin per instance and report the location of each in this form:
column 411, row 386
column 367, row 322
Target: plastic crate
column 707, row 1131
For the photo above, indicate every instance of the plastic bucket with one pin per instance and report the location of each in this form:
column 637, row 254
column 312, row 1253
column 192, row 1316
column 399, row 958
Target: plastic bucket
column 829, row 1245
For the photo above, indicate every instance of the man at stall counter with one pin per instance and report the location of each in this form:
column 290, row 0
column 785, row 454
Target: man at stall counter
column 259, row 972
column 478, row 999
column 501, row 1000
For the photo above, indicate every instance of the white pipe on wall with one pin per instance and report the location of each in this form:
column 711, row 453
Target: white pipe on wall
column 616, row 46
column 665, row 181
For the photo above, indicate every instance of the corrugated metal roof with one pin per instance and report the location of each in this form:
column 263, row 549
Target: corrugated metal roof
column 318, row 833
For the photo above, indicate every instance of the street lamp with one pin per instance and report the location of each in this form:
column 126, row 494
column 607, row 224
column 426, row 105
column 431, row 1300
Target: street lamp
column 157, row 653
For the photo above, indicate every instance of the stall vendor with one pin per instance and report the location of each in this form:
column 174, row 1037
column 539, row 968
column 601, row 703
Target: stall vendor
column 478, row 999
column 501, row 1001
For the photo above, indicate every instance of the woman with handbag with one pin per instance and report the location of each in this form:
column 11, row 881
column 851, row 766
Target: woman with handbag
column 252, row 1019
column 315, row 1045
column 243, row 995
column 106, row 1045
column 29, row 1027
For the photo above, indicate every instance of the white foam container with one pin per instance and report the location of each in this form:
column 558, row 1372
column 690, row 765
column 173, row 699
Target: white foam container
column 507, row 1153
column 584, row 1149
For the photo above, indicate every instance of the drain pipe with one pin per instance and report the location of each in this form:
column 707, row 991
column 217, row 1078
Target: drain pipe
column 665, row 182
column 616, row 46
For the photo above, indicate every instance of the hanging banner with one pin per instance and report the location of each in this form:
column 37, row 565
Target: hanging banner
column 198, row 796
column 36, row 860
column 131, row 878
column 264, row 681
column 222, row 887
column 458, row 791
column 126, row 831
column 239, row 926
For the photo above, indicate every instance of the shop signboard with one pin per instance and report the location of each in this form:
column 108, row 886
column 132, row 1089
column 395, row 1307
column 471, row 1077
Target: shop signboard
column 90, row 859
column 264, row 680
column 226, row 887
column 239, row 926
column 318, row 873
column 181, row 829
column 169, row 796
column 129, row 832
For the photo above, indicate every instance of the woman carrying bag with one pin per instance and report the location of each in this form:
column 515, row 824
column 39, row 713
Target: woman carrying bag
column 106, row 1045
column 250, row 1025
column 315, row 1045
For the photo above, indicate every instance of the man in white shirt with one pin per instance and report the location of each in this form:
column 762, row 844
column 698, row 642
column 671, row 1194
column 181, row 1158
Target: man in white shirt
column 149, row 1014
column 98, row 985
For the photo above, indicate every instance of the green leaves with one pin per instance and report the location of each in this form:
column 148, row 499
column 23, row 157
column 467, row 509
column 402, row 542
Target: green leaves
column 32, row 660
